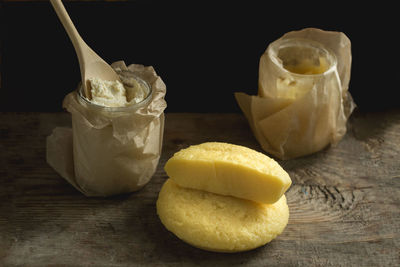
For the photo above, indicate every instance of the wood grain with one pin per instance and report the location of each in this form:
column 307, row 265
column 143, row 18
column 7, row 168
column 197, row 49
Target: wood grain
column 344, row 201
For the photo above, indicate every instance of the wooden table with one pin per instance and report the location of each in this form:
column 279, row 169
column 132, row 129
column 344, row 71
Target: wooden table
column 344, row 202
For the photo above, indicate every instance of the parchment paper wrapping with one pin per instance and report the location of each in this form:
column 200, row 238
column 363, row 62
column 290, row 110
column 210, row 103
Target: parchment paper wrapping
column 290, row 124
column 107, row 154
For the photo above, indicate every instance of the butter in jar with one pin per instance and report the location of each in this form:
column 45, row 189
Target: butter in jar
column 303, row 102
column 117, row 134
column 298, row 64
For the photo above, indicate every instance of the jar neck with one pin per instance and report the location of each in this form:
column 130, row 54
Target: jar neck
column 84, row 101
column 302, row 57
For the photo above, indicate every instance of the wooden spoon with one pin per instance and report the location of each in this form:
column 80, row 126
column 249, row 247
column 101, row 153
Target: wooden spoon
column 91, row 65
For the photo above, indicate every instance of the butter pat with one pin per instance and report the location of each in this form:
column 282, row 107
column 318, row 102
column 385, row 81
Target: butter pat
column 228, row 169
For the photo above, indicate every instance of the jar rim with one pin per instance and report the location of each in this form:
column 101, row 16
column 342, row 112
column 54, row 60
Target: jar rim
column 128, row 108
column 287, row 42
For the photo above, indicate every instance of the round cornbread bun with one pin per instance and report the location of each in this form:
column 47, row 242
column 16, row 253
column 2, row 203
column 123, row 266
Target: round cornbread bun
column 219, row 223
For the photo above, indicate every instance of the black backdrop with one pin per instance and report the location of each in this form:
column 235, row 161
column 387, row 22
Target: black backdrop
column 203, row 51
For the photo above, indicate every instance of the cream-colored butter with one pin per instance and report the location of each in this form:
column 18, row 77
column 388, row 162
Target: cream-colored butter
column 116, row 94
column 108, row 93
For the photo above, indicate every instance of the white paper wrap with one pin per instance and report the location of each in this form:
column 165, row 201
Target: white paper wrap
column 294, row 114
column 106, row 153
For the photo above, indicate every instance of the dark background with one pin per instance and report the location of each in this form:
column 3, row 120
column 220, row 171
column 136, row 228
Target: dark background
column 203, row 51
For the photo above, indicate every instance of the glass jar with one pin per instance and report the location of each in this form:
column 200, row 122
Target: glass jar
column 297, row 65
column 115, row 149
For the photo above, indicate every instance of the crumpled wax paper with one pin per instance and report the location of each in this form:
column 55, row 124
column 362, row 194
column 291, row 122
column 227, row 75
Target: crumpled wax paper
column 104, row 155
column 313, row 112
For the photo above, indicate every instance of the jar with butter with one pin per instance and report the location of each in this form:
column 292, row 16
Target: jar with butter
column 296, row 64
column 117, row 131
column 303, row 102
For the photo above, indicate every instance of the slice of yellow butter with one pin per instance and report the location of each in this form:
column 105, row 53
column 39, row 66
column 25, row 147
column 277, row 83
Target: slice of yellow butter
column 228, row 169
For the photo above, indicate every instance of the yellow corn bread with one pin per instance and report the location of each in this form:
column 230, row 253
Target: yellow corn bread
column 229, row 169
column 219, row 223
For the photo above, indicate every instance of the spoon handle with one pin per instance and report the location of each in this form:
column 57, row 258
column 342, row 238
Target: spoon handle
column 69, row 26
column 81, row 48
column 90, row 63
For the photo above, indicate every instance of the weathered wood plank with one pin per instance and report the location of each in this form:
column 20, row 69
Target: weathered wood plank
column 344, row 202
